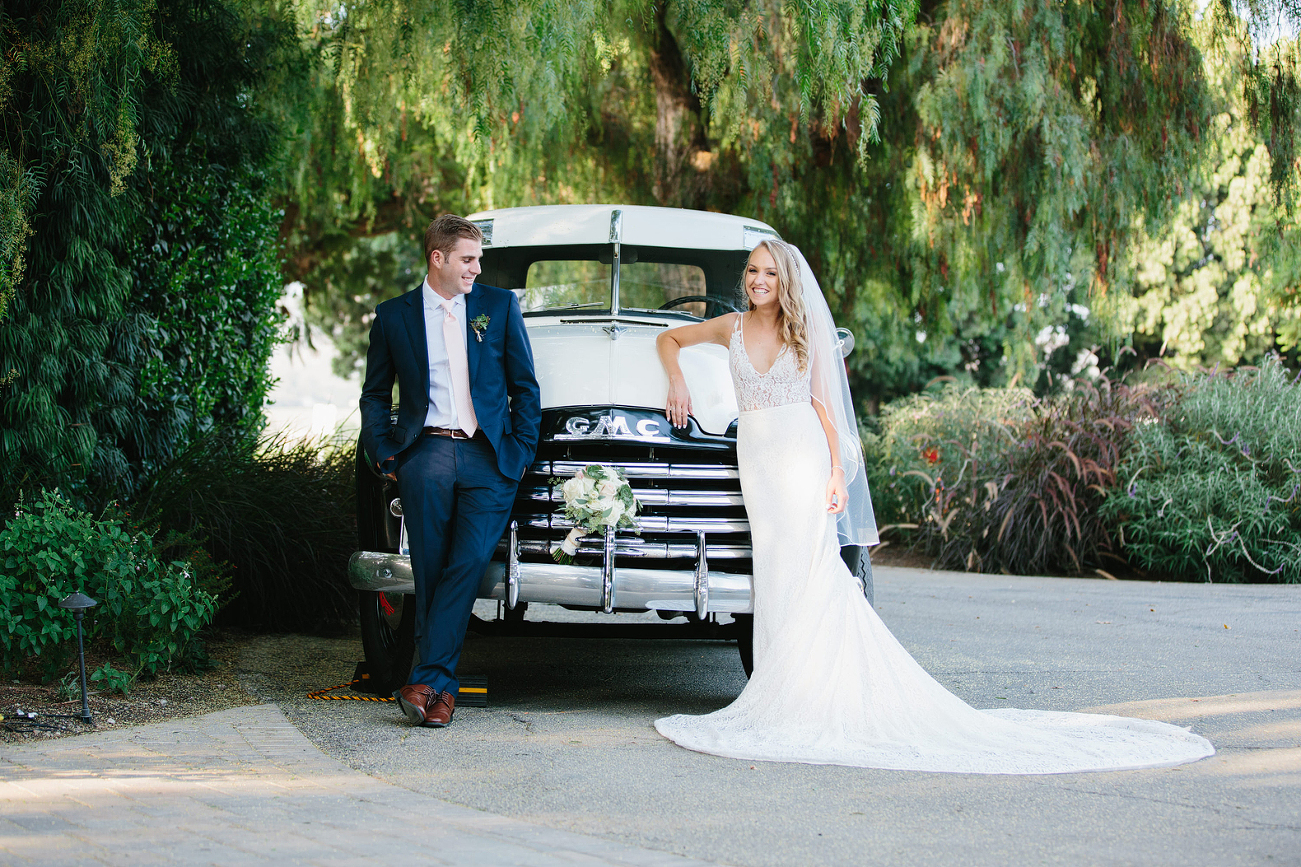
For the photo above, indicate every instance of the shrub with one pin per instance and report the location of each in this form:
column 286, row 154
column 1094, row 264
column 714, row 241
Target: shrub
column 1213, row 491
column 994, row 480
column 935, row 439
column 280, row 513
column 137, row 171
column 149, row 611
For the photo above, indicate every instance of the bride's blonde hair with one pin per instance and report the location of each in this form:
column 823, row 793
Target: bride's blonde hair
column 792, row 328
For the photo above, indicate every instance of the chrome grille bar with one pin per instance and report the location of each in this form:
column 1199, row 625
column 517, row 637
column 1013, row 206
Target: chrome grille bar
column 674, row 524
column 638, row 470
column 657, row 497
column 634, row 547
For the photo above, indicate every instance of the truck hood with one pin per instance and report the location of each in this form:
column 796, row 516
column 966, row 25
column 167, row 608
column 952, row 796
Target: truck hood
column 605, row 362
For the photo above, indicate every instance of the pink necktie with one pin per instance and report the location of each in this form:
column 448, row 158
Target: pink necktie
column 459, row 367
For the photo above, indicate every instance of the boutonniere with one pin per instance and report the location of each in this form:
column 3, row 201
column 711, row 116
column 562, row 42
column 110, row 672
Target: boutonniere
column 480, row 325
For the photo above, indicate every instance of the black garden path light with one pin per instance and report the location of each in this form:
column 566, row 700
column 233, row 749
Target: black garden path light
column 78, row 603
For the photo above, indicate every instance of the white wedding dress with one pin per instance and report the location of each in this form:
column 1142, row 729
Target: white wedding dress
column 831, row 685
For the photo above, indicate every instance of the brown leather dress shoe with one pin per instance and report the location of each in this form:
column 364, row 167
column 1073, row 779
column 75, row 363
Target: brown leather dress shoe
column 439, row 713
column 415, row 700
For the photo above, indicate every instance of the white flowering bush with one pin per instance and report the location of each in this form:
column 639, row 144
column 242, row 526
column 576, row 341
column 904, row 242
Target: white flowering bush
column 596, row 497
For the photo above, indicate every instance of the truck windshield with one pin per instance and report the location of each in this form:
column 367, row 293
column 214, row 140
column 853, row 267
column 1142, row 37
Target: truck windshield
column 577, row 284
column 670, row 281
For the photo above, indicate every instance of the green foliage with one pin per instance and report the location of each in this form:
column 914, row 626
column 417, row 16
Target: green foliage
column 1213, row 491
column 113, row 679
column 207, row 278
column 1216, row 285
column 997, row 481
column 133, row 156
column 1047, row 134
column 352, row 279
column 935, row 435
column 16, row 194
column 971, row 209
column 69, row 686
column 504, row 79
column 1268, row 81
column 150, row 612
column 279, row 513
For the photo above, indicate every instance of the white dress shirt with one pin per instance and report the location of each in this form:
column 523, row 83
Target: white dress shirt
column 442, row 408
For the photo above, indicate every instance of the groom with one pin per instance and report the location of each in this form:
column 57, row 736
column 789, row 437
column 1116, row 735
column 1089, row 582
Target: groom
column 466, row 431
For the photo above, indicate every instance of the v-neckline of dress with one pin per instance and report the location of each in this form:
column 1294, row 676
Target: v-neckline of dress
column 740, row 329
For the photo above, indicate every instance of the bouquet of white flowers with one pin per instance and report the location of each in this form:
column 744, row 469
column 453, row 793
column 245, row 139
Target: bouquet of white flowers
column 596, row 497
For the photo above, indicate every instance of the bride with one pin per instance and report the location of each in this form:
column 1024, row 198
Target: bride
column 831, row 685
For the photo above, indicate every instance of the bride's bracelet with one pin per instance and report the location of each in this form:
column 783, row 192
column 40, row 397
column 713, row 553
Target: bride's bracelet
column 837, row 467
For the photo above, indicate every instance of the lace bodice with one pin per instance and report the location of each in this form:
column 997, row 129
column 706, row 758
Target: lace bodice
column 781, row 385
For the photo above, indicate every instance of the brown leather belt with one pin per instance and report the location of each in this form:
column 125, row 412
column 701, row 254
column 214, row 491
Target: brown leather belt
column 454, row 433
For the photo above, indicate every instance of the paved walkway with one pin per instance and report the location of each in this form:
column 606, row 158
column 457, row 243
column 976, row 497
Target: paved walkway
column 567, row 751
column 243, row 786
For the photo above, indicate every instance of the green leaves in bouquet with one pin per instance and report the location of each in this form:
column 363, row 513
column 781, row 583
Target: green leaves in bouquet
column 582, row 511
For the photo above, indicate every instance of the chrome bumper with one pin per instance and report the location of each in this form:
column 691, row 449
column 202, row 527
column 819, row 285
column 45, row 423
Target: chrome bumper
column 602, row 587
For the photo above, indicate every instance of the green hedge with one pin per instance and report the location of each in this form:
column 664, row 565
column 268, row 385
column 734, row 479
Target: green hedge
column 278, row 514
column 133, row 188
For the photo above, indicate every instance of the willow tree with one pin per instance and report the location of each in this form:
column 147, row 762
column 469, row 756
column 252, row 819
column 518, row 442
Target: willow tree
column 966, row 177
column 422, row 106
column 1219, row 285
column 499, row 101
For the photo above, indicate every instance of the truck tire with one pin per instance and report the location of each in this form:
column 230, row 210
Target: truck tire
column 388, row 636
column 745, row 640
column 860, row 566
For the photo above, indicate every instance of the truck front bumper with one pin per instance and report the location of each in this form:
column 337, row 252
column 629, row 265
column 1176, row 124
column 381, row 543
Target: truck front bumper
column 601, row 587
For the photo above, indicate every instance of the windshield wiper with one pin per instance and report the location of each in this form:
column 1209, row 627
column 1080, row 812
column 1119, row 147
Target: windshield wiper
column 569, row 307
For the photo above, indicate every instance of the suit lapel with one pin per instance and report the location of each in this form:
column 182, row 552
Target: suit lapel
column 414, row 317
column 472, row 309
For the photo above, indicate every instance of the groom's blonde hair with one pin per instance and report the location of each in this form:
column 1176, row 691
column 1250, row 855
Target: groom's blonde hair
column 792, row 327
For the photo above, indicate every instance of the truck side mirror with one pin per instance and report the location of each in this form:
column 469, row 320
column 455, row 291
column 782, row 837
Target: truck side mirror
column 846, row 341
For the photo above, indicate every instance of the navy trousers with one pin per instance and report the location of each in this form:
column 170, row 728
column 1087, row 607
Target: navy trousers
column 456, row 504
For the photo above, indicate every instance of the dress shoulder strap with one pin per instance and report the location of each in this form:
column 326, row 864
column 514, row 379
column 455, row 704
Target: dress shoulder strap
column 736, row 327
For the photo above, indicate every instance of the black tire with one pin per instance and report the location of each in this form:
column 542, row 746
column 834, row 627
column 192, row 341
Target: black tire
column 388, row 636
column 370, row 504
column 745, row 641
column 860, row 566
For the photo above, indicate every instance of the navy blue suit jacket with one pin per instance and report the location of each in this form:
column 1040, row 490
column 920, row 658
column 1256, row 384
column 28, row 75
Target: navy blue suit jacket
column 503, row 386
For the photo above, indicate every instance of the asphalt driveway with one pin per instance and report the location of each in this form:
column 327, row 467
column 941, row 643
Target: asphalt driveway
column 567, row 740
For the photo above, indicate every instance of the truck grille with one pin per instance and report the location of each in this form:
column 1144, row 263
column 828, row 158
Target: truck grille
column 681, row 490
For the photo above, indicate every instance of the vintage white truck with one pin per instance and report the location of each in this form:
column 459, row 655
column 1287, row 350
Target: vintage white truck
column 598, row 284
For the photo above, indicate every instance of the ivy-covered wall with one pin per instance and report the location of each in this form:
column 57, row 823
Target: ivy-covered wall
column 139, row 233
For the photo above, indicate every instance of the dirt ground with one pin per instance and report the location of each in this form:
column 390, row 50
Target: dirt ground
column 167, row 696
column 890, row 554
